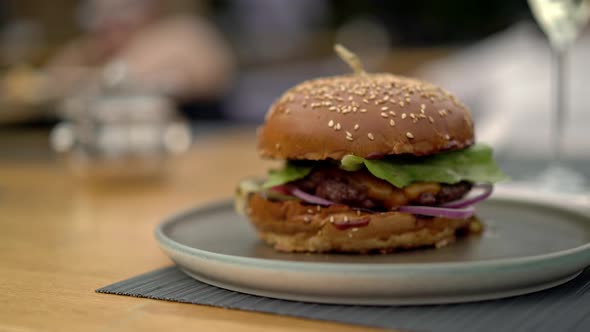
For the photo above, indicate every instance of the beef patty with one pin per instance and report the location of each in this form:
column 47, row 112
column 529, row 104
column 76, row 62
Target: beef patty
column 363, row 190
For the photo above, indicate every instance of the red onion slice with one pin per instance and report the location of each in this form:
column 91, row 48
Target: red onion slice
column 310, row 198
column 282, row 189
column 460, row 203
column 460, row 209
column 278, row 193
column 454, row 213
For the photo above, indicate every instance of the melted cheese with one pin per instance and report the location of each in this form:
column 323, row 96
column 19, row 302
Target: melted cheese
column 394, row 197
column 414, row 190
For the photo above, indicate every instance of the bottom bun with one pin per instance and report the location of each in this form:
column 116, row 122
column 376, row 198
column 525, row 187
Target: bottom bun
column 293, row 226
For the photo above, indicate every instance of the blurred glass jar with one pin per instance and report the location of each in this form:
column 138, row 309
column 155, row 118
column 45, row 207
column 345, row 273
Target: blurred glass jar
column 120, row 132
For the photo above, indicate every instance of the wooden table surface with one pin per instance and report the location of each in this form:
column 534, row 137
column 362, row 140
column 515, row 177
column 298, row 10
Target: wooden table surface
column 62, row 237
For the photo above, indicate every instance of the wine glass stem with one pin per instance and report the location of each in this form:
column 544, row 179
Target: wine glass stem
column 559, row 102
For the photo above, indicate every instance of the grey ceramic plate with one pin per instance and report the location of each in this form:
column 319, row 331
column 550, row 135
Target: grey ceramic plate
column 529, row 245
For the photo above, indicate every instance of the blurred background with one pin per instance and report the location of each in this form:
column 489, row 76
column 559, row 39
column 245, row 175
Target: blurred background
column 142, row 80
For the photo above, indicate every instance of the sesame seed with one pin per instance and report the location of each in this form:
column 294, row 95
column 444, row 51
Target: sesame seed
column 355, row 229
column 287, row 111
column 356, row 126
column 358, row 212
column 403, row 115
column 391, row 122
column 337, row 126
column 331, row 219
column 413, row 116
column 333, row 108
column 408, row 100
column 422, row 106
column 447, row 137
column 331, row 123
column 430, row 119
column 348, row 134
column 384, row 108
column 307, row 219
column 349, row 235
column 371, row 137
column 401, row 103
column 365, row 101
column 386, row 97
column 363, row 110
column 383, row 114
column 345, row 218
column 309, row 211
column 317, row 207
column 409, row 135
column 350, row 98
column 392, row 113
column 277, row 146
column 349, row 138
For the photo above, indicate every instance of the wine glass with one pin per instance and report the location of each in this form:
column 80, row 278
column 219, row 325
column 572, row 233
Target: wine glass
column 562, row 21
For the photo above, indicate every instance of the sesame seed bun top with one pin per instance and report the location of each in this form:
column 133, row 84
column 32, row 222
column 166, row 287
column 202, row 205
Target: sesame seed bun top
column 367, row 115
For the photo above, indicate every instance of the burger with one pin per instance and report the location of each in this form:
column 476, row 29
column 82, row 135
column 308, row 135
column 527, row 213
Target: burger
column 372, row 163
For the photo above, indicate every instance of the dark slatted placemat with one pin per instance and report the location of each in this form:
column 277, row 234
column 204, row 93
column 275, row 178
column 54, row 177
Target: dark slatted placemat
column 563, row 308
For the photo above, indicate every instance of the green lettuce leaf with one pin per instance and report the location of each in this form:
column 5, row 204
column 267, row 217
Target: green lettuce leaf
column 289, row 173
column 474, row 164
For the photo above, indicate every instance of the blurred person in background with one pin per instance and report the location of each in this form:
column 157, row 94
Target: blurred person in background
column 285, row 42
column 510, row 94
column 152, row 45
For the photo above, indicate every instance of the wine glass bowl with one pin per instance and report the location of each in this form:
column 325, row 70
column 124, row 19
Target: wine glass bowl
column 561, row 20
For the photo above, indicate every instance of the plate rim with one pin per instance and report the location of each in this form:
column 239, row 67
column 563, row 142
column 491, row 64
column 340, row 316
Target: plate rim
column 506, row 194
